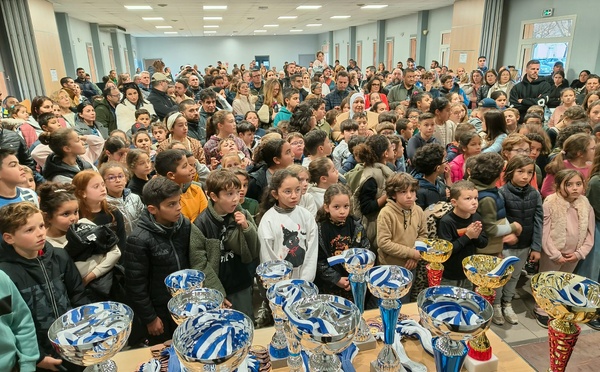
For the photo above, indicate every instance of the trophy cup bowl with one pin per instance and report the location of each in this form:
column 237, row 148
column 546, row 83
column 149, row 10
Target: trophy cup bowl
column 568, row 299
column 271, row 272
column 453, row 315
column 477, row 269
column 191, row 303
column 92, row 334
column 184, row 280
column 357, row 261
column 435, row 252
column 325, row 325
column 280, row 295
column 389, row 283
column 215, row 340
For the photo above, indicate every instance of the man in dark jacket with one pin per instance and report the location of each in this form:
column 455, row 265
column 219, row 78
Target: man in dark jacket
column 88, row 89
column 208, row 106
column 334, row 99
column 105, row 109
column 157, row 247
column 532, row 90
column 163, row 104
column 189, row 110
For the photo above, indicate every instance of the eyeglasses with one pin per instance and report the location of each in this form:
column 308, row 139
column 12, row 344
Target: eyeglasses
column 413, row 117
column 297, row 143
column 375, row 85
column 298, row 191
column 522, row 151
column 114, row 178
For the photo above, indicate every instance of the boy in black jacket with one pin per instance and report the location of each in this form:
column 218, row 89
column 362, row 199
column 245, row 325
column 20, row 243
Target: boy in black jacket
column 430, row 166
column 46, row 277
column 461, row 227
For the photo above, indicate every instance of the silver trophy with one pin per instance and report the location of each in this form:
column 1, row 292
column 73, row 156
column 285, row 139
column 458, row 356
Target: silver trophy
column 453, row 315
column 184, row 280
column 216, row 341
column 272, row 272
column 326, row 325
column 191, row 303
column 92, row 334
column 389, row 284
column 280, row 295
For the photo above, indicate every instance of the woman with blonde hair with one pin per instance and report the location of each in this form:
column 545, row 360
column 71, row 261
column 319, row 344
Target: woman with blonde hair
column 244, row 101
column 62, row 99
column 273, row 100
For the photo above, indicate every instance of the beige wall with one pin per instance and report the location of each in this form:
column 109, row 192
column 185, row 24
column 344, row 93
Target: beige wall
column 47, row 42
column 467, row 19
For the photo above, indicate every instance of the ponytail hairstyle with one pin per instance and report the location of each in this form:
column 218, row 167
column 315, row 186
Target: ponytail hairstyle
column 56, row 140
column 268, row 200
column 574, row 146
column 111, row 145
column 268, row 150
column 372, row 150
column 331, row 192
column 53, row 196
column 319, row 169
column 438, row 104
column 213, row 125
column 517, row 161
column 133, row 156
column 81, row 181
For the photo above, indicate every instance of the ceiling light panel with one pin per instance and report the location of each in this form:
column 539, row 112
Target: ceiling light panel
column 214, row 7
column 138, row 7
column 308, row 7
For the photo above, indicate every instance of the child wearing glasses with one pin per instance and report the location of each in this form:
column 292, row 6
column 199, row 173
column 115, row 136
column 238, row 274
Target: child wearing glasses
column 115, row 177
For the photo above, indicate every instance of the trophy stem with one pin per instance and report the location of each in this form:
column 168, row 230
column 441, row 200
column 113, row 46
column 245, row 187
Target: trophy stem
column 294, row 360
column 488, row 293
column 106, row 366
column 562, row 337
column 358, row 284
column 480, row 348
column 278, row 347
column 321, row 362
column 449, row 354
column 389, row 314
column 434, row 273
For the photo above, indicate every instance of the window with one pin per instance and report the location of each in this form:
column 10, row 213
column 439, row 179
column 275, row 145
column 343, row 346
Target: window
column 413, row 47
column 325, row 50
column 375, row 53
column 111, row 58
column 548, row 40
column 389, row 54
column 337, row 52
column 358, row 53
column 91, row 61
column 445, row 48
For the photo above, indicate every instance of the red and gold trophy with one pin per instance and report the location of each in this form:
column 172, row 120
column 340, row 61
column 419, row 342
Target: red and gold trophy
column 435, row 252
column 568, row 299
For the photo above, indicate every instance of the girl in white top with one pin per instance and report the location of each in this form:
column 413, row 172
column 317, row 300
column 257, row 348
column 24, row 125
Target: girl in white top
column 322, row 175
column 286, row 231
column 307, row 201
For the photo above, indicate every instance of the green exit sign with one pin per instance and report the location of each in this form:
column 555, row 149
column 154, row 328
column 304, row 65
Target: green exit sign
column 548, row 12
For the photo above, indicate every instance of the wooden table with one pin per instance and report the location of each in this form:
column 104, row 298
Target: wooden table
column 509, row 360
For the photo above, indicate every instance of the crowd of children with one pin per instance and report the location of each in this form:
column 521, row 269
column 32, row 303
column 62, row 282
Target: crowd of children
column 302, row 186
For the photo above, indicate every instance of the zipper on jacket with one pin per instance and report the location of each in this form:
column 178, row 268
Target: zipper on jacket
column 175, row 252
column 50, row 290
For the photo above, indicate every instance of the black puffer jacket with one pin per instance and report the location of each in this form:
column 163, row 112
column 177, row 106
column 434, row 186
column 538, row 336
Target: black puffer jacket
column 55, row 167
column 524, row 205
column 152, row 252
column 50, row 285
column 529, row 92
column 163, row 104
column 258, row 182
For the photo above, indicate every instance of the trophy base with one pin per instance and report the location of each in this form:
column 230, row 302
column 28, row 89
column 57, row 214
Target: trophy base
column 473, row 365
column 106, row 366
column 369, row 344
column 278, row 363
column 374, row 368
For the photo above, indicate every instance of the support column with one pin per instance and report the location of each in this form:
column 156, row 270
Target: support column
column 331, row 48
column 97, row 45
column 129, row 45
column 380, row 57
column 64, row 33
column 422, row 31
column 120, row 64
column 352, row 44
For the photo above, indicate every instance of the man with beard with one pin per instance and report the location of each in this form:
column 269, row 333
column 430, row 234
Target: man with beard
column 397, row 78
column 532, row 90
column 208, row 102
column 401, row 93
column 194, row 86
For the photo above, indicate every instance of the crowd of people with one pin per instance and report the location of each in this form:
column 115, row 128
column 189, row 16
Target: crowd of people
column 221, row 169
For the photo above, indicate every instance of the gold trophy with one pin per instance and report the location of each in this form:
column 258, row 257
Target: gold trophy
column 487, row 273
column 435, row 252
column 568, row 299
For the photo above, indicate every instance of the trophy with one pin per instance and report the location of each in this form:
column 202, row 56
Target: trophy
column 357, row 261
column 215, row 340
column 453, row 314
column 271, row 272
column 487, row 273
column 568, row 299
column 280, row 295
column 184, row 280
column 191, row 303
column 325, row 325
column 92, row 334
column 389, row 284
column 435, row 252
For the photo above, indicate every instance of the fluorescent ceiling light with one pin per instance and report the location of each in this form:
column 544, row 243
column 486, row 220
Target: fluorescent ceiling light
column 380, row 6
column 212, row 18
column 164, row 26
column 214, row 7
column 260, row 30
column 339, row 17
column 153, row 18
column 211, row 26
column 171, row 32
column 308, row 7
column 138, row 7
column 271, row 26
column 296, row 30
column 287, row 17
column 314, row 25
column 210, row 32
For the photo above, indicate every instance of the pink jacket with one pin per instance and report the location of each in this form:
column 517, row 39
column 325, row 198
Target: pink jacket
column 457, row 170
column 548, row 184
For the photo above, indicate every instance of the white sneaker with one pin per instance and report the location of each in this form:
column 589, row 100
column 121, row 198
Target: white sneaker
column 509, row 313
column 498, row 318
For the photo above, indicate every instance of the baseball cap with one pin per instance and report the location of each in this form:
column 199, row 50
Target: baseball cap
column 159, row 76
column 488, row 103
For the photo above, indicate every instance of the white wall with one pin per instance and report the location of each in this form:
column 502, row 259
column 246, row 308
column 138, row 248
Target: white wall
column 80, row 37
column 400, row 29
column 105, row 42
column 439, row 20
column 585, row 52
column 204, row 51
column 366, row 33
column 341, row 37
